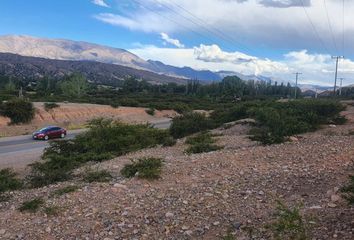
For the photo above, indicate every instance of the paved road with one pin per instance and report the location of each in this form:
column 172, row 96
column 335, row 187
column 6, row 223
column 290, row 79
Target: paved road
column 17, row 152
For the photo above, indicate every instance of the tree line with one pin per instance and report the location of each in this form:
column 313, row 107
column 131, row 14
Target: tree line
column 76, row 85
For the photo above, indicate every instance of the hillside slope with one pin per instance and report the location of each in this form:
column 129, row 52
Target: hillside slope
column 62, row 49
column 99, row 73
column 203, row 196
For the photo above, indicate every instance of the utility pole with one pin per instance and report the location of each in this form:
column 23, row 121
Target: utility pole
column 297, row 78
column 341, row 84
column 335, row 77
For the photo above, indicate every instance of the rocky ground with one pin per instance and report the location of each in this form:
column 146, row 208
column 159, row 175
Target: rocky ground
column 203, row 196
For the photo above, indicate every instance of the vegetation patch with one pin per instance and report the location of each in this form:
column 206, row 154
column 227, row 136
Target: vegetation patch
column 32, row 205
column 18, row 110
column 348, row 191
column 8, row 182
column 169, row 142
column 104, row 140
column 52, row 210
column 65, row 190
column 150, row 111
column 97, row 176
column 147, row 168
column 190, row 123
column 289, row 224
column 202, row 142
column 49, row 106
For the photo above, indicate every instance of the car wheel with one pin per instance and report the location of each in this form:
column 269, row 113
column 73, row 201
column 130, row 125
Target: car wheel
column 46, row 137
column 62, row 135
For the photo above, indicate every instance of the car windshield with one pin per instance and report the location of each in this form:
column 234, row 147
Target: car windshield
column 43, row 129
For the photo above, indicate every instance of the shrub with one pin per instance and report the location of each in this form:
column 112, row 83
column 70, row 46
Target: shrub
column 190, row 123
column 147, row 168
column 103, row 141
column 52, row 210
column 204, row 137
column 277, row 121
column 97, row 176
column 18, row 110
column 49, row 106
column 32, row 205
column 169, row 142
column 65, row 190
column 289, row 224
column 150, row 111
column 348, row 191
column 9, row 181
column 203, row 142
column 202, row 147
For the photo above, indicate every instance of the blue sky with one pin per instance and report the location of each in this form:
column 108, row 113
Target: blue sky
column 268, row 37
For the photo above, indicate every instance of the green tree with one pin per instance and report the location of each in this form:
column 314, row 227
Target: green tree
column 18, row 110
column 10, row 86
column 75, row 85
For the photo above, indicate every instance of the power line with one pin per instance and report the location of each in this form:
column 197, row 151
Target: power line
column 314, row 27
column 209, row 27
column 330, row 26
column 170, row 19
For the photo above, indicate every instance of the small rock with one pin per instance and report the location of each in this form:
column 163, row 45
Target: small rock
column 118, row 185
column 293, row 139
column 216, row 223
column 2, row 231
column 332, row 205
column 185, row 227
column 169, row 215
column 335, row 198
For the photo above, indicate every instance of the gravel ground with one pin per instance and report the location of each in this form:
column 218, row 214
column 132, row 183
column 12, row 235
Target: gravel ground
column 203, row 196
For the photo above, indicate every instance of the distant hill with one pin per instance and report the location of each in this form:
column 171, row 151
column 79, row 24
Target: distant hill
column 99, row 73
column 61, row 49
column 186, row 72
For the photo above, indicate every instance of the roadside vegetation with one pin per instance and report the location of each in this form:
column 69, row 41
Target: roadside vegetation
column 104, row 140
column 49, row 106
column 202, row 142
column 8, row 182
column 18, row 110
column 275, row 121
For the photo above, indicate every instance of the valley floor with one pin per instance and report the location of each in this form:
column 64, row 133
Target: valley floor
column 203, row 196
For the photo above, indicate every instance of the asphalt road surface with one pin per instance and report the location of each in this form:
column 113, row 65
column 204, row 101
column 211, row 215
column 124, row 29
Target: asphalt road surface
column 17, row 152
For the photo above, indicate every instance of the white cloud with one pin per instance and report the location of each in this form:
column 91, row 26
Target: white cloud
column 213, row 53
column 101, row 3
column 174, row 42
column 211, row 58
column 316, row 68
column 276, row 24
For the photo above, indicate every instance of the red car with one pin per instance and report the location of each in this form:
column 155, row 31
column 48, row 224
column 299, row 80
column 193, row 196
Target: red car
column 49, row 132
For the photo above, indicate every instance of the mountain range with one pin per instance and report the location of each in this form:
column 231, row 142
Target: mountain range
column 61, row 49
column 27, row 56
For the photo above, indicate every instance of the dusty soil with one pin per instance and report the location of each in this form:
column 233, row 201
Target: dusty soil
column 203, row 196
column 73, row 115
